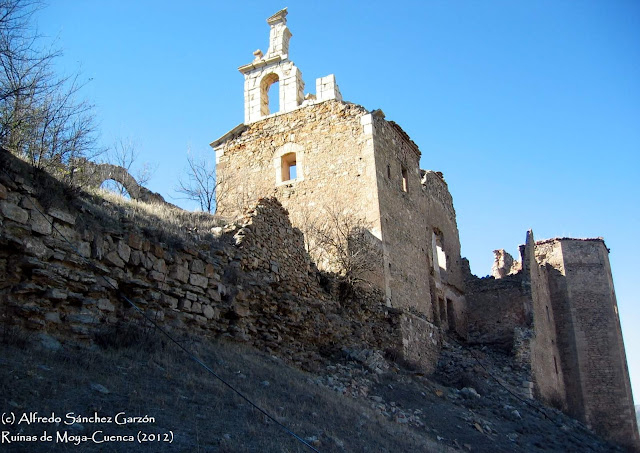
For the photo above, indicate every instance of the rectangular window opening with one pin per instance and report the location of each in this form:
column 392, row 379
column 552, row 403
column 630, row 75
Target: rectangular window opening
column 405, row 180
column 442, row 257
column 289, row 167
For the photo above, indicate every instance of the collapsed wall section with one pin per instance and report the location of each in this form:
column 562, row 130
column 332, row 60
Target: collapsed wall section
column 497, row 307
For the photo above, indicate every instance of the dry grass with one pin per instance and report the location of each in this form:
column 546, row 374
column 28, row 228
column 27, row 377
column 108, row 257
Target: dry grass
column 167, row 223
column 153, row 377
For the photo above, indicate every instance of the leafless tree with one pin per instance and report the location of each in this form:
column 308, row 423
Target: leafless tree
column 309, row 222
column 125, row 153
column 340, row 241
column 41, row 117
column 200, row 184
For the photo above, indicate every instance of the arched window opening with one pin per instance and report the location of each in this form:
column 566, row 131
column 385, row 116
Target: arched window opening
column 289, row 167
column 405, row 180
column 269, row 98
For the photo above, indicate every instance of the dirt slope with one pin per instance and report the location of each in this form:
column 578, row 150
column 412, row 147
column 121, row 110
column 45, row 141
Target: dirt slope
column 360, row 402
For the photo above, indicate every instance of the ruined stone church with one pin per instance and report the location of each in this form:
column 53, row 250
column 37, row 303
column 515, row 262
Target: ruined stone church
column 556, row 309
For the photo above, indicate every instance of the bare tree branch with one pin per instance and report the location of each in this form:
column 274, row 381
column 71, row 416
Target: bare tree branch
column 200, row 184
column 341, row 242
column 40, row 115
column 124, row 153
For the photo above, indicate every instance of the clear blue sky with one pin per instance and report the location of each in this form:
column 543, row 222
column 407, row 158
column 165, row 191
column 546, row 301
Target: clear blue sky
column 530, row 109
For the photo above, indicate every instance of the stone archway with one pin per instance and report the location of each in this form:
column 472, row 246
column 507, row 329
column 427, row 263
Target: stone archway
column 106, row 172
column 96, row 174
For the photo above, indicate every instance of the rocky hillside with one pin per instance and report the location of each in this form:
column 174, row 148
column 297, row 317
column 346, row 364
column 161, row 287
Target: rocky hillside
column 358, row 401
column 79, row 365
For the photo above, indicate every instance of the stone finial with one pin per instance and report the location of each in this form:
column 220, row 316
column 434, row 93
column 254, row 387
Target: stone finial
column 279, row 35
column 280, row 16
column 257, row 54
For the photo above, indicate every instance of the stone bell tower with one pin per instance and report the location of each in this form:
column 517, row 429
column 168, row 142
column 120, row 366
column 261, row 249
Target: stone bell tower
column 265, row 70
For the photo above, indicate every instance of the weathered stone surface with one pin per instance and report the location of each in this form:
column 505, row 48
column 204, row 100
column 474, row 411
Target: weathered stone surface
column 134, row 241
column 172, row 302
column 63, row 216
column 197, row 267
column 13, row 212
column 504, row 264
column 83, row 317
column 160, row 266
column 84, row 249
column 113, row 258
column 105, row 304
column 41, row 224
column 124, row 251
column 34, row 246
column 49, row 342
column 209, row 312
column 180, row 273
column 56, row 294
column 52, row 316
column 157, row 276
column 198, row 280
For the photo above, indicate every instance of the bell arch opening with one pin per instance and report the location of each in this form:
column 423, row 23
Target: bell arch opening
column 269, row 98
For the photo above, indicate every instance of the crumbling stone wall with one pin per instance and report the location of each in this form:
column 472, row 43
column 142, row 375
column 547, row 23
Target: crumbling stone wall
column 254, row 282
column 90, row 174
column 564, row 296
column 496, row 308
column 504, row 264
column 441, row 220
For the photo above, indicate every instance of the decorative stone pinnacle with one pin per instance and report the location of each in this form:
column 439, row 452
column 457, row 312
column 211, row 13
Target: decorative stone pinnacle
column 280, row 16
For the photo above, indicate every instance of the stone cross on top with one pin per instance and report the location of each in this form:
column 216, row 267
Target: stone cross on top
column 275, row 66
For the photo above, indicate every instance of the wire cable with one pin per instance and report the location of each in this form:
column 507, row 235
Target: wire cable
column 168, row 335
